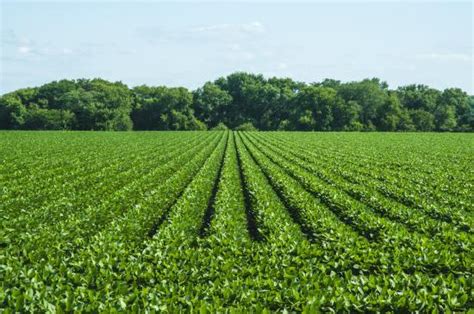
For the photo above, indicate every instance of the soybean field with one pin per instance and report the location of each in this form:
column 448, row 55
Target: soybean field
column 236, row 222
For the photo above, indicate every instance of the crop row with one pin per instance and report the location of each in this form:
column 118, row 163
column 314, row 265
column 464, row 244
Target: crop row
column 222, row 221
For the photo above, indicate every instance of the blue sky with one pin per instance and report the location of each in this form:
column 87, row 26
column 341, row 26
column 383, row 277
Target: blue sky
column 189, row 43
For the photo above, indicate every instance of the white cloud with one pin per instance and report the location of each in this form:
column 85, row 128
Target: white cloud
column 254, row 27
column 245, row 28
column 446, row 56
column 230, row 34
column 24, row 50
column 18, row 47
column 43, row 50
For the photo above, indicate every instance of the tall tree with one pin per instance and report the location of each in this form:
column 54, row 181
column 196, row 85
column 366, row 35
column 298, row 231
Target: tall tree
column 422, row 120
column 369, row 94
column 415, row 97
column 454, row 101
column 314, row 107
column 389, row 114
column 211, row 104
column 12, row 112
column 163, row 108
column 239, row 99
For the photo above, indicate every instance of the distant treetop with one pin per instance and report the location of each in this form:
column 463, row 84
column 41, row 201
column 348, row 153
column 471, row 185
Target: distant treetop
column 238, row 101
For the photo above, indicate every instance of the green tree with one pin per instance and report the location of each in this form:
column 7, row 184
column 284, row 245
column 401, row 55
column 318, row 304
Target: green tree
column 314, row 108
column 422, row 120
column 163, row 108
column 97, row 104
column 454, row 99
column 418, row 97
column 211, row 103
column 445, row 117
column 246, row 126
column 346, row 116
column 241, row 87
column 390, row 114
column 49, row 96
column 12, row 112
column 370, row 94
column 48, row 119
column 220, row 127
column 406, row 122
column 239, row 98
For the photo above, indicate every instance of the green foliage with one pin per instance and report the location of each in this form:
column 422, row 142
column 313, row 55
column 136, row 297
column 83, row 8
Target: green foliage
column 247, row 126
column 220, row 127
column 81, row 105
column 370, row 95
column 235, row 221
column 423, row 120
column 418, row 97
column 268, row 103
column 48, row 119
column 163, row 108
column 390, row 114
column 210, row 104
column 12, row 112
column 317, row 105
column 121, row 122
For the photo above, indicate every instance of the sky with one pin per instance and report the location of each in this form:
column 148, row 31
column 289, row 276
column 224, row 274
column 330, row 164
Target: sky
column 187, row 43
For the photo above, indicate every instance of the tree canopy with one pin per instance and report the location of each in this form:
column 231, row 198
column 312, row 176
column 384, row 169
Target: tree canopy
column 239, row 100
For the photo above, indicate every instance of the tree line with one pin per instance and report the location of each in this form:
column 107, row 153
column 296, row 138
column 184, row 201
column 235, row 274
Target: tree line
column 239, row 101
